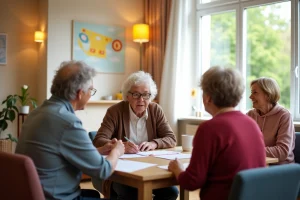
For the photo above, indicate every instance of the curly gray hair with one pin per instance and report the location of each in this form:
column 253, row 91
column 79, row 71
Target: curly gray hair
column 224, row 85
column 71, row 77
column 139, row 78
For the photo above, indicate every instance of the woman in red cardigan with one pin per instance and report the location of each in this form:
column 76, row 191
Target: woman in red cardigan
column 226, row 144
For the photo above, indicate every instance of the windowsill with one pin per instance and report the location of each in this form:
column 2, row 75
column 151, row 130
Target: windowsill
column 104, row 102
column 201, row 119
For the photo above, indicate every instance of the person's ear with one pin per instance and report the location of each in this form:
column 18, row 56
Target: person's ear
column 79, row 94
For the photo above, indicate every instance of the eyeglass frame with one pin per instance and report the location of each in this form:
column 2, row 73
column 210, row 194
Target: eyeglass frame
column 140, row 95
column 92, row 91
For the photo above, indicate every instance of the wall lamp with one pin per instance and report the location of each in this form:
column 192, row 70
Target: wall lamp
column 141, row 35
column 39, row 36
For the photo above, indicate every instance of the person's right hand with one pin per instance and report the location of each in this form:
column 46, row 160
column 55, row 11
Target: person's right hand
column 131, row 148
column 104, row 150
column 119, row 147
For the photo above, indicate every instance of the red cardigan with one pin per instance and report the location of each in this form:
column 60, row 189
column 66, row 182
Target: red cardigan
column 223, row 146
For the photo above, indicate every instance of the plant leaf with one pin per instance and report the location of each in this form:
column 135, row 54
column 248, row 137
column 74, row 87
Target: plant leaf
column 3, row 125
column 11, row 115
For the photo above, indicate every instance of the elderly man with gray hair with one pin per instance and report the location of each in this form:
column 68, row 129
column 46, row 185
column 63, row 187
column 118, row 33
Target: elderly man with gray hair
column 54, row 138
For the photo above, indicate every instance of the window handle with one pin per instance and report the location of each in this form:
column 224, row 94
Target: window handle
column 297, row 72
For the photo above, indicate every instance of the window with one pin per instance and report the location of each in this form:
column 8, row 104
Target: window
column 256, row 37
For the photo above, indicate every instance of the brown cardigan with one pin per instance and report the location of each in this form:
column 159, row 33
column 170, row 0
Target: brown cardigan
column 116, row 125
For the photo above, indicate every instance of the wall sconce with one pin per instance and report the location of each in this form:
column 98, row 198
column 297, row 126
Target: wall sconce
column 39, row 36
column 141, row 35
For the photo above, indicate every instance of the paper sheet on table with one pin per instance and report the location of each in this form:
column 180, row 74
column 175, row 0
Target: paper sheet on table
column 131, row 166
column 185, row 165
column 157, row 153
column 131, row 156
column 172, row 157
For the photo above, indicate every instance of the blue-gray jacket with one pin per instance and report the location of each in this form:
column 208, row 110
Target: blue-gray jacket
column 60, row 148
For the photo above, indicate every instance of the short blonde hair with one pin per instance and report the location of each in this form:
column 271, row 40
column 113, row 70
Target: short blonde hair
column 270, row 87
column 224, row 85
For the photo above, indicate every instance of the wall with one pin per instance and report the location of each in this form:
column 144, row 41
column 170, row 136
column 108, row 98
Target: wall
column 112, row 12
column 34, row 63
column 19, row 20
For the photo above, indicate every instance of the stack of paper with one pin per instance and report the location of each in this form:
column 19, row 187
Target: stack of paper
column 131, row 166
column 157, row 153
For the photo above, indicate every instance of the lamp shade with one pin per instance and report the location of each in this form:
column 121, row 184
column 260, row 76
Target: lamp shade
column 141, row 33
column 39, row 36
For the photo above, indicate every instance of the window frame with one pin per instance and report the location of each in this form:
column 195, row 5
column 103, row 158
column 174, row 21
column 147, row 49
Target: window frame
column 239, row 7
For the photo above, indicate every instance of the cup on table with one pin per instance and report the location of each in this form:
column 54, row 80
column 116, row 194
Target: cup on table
column 187, row 142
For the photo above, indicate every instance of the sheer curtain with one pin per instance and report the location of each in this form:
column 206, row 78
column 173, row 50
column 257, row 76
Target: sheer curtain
column 179, row 71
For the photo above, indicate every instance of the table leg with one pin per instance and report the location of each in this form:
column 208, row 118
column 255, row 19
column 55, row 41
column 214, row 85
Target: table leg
column 145, row 191
column 184, row 194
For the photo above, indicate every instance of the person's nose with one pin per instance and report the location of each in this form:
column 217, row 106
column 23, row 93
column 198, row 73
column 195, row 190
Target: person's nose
column 251, row 96
column 141, row 98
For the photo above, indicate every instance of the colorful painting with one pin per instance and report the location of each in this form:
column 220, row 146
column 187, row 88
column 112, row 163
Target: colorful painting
column 3, row 49
column 100, row 46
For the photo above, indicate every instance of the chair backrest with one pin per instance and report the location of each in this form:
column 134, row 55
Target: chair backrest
column 276, row 183
column 19, row 178
column 92, row 135
column 297, row 148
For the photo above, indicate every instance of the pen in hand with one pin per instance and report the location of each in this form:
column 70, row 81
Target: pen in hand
column 130, row 146
column 128, row 140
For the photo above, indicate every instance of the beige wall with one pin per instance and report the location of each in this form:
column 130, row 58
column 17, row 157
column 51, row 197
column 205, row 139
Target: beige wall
column 19, row 20
column 34, row 63
column 112, row 12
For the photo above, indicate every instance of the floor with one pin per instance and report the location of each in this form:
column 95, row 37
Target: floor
column 88, row 185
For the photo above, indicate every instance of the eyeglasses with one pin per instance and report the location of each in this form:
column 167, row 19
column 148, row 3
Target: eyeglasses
column 137, row 95
column 92, row 91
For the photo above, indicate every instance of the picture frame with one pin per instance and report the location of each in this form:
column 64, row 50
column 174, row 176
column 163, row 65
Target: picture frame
column 3, row 48
column 99, row 46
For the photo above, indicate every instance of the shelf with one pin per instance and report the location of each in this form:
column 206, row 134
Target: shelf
column 104, row 102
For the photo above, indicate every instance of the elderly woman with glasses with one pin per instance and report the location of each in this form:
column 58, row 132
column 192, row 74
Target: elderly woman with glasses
column 142, row 126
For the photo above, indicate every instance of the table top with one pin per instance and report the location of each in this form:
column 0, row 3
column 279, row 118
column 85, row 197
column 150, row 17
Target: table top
column 156, row 173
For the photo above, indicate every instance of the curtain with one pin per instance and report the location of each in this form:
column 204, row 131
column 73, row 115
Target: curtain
column 179, row 70
column 157, row 14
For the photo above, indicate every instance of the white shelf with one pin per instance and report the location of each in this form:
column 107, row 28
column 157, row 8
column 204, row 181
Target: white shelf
column 104, row 102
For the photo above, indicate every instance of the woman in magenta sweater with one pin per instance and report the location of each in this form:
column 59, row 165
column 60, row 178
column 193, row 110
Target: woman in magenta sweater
column 274, row 121
column 226, row 144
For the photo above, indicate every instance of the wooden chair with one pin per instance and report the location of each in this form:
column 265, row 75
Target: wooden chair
column 19, row 178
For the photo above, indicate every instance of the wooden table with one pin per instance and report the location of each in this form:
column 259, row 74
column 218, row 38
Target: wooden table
column 146, row 180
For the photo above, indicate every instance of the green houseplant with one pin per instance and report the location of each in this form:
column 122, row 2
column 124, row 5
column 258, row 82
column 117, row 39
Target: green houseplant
column 25, row 100
column 8, row 114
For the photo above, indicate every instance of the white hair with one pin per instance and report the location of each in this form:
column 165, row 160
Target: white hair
column 139, row 78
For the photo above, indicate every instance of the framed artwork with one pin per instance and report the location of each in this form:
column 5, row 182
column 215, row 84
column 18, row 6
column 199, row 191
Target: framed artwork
column 99, row 46
column 3, row 49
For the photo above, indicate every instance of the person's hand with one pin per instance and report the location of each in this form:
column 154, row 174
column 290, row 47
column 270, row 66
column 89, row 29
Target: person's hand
column 131, row 148
column 176, row 167
column 118, row 146
column 104, row 150
column 147, row 146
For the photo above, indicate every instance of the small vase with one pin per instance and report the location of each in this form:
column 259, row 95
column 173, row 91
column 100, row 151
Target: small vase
column 24, row 110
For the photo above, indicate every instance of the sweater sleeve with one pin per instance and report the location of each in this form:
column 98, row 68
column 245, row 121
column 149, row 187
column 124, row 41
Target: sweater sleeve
column 284, row 140
column 166, row 137
column 106, row 129
column 203, row 156
column 77, row 148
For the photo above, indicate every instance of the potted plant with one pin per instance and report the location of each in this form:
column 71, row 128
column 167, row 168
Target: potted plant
column 8, row 114
column 25, row 100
